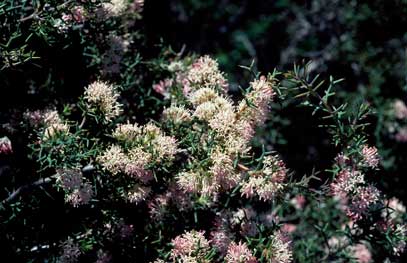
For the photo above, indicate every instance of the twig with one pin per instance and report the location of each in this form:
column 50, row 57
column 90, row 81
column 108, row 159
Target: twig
column 39, row 182
column 19, row 190
column 36, row 13
column 82, row 122
column 242, row 167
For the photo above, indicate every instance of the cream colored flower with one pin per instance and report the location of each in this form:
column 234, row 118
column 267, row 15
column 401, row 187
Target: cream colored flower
column 104, row 97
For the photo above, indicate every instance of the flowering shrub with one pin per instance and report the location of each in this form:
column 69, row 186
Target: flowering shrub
column 197, row 183
column 184, row 183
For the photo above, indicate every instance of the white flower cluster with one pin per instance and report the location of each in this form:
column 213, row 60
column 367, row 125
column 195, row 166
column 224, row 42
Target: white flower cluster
column 103, row 97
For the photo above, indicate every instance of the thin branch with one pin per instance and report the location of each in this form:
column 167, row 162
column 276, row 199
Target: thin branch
column 39, row 182
column 242, row 167
column 21, row 189
column 82, row 122
column 37, row 13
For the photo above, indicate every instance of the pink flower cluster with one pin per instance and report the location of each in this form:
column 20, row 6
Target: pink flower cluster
column 361, row 253
column 77, row 190
column 361, row 201
column 401, row 135
column 141, row 146
column 163, row 87
column 70, row 251
column 259, row 98
column 400, row 109
column 239, row 253
column 205, row 73
column 268, row 182
column 190, row 247
column 5, row 146
column 280, row 249
column 174, row 198
column 370, row 156
column 350, row 187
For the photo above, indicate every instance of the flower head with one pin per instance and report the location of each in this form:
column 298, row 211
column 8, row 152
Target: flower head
column 370, row 156
column 102, row 96
column 176, row 114
column 202, row 95
column 163, row 87
column 70, row 251
column 80, row 196
column 5, row 146
column 113, row 160
column 400, row 109
column 239, row 253
column 127, row 132
column 113, row 56
column 164, row 147
column 136, row 164
column 69, row 179
column 360, row 202
column 394, row 209
column 279, row 249
column 345, row 182
column 401, row 135
column 53, row 124
column 78, row 14
column 220, row 239
column 137, row 6
column 255, row 106
column 268, row 182
column 190, row 182
column 190, row 245
column 158, row 206
column 137, row 194
column 361, row 253
column 114, row 8
column 223, row 171
column 205, row 73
